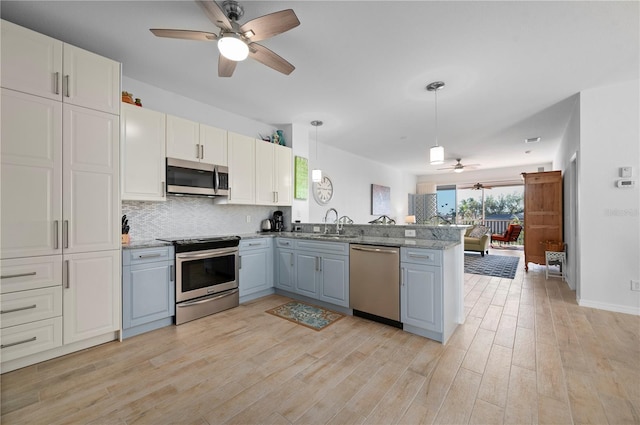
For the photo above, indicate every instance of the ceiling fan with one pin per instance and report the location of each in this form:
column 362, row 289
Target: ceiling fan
column 458, row 167
column 236, row 41
column 479, row 186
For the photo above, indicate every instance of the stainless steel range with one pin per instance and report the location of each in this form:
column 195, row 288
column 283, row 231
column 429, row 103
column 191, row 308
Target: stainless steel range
column 206, row 275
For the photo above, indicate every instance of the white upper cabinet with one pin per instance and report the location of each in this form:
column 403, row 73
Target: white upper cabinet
column 90, row 179
column 31, row 62
column 183, row 139
column 90, row 80
column 40, row 65
column 31, row 181
column 242, row 172
column 142, row 154
column 273, row 174
column 214, row 145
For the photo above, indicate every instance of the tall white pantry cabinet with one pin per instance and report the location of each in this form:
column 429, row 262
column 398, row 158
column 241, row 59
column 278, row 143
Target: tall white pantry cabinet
column 60, row 198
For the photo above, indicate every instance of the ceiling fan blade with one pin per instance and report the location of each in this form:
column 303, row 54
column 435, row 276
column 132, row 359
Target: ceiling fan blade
column 226, row 67
column 270, row 25
column 267, row 57
column 215, row 14
column 184, row 34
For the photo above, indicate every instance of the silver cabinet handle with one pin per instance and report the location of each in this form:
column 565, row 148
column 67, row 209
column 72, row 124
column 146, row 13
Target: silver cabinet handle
column 171, row 273
column 320, row 261
column 66, row 80
column 291, row 254
column 402, row 276
column 33, row 338
column 55, row 233
column 13, row 310
column 65, row 233
column 201, row 151
column 66, row 274
column 428, row 257
column 57, row 83
column 317, row 264
column 9, row 276
column 197, row 151
column 254, row 244
column 156, row 254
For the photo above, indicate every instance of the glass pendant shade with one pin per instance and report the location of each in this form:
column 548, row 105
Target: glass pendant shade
column 316, row 175
column 233, row 48
column 436, row 155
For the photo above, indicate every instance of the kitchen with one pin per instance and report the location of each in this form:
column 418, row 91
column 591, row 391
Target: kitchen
column 253, row 215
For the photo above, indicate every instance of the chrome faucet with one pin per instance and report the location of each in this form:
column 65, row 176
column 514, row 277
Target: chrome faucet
column 326, row 216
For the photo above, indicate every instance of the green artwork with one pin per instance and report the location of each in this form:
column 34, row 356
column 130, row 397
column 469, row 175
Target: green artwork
column 301, row 188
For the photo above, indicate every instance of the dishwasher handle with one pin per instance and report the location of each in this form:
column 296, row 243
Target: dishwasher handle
column 377, row 250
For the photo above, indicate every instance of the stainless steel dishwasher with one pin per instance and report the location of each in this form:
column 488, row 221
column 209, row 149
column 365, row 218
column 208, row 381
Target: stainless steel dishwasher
column 374, row 283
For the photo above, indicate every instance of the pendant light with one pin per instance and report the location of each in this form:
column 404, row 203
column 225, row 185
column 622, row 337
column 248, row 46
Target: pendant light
column 436, row 153
column 316, row 173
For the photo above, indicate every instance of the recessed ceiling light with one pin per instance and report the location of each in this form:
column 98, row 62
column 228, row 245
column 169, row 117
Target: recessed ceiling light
column 532, row 140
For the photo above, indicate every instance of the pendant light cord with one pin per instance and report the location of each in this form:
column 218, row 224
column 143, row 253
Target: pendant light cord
column 436, row 94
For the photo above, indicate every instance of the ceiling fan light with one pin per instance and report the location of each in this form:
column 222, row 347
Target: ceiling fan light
column 232, row 47
column 316, row 175
column 458, row 170
column 436, row 155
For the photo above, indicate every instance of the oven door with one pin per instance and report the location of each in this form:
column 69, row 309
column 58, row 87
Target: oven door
column 202, row 273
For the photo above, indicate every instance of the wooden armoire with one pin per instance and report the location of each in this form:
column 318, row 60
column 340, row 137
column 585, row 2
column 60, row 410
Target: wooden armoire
column 542, row 214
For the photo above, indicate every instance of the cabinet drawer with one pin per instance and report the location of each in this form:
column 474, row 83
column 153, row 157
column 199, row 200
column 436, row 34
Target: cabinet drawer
column 327, row 247
column 23, row 340
column 18, row 308
column 147, row 255
column 285, row 243
column 421, row 256
column 21, row 274
column 257, row 243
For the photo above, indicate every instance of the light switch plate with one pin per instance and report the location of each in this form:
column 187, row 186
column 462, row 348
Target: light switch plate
column 626, row 171
column 316, row 228
column 410, row 233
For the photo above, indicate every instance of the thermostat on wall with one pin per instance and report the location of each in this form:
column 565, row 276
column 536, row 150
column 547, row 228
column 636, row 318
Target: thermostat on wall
column 626, row 183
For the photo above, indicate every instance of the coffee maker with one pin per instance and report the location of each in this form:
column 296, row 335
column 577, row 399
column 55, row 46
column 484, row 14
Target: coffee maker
column 278, row 221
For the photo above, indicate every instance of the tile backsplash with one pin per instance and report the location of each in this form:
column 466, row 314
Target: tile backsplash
column 194, row 216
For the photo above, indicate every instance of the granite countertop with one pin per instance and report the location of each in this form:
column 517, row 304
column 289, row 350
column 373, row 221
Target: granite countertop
column 365, row 240
column 150, row 243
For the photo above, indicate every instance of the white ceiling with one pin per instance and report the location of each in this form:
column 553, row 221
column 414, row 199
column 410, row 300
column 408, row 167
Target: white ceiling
column 511, row 68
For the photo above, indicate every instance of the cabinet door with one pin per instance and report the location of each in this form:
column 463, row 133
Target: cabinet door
column 91, row 295
column 214, row 145
column 90, row 80
column 334, row 287
column 183, row 139
column 91, row 204
column 307, row 274
column 31, row 175
column 142, row 154
column 256, row 273
column 265, row 173
column 283, row 175
column 31, row 62
column 285, row 269
column 242, row 177
column 421, row 296
column 148, row 293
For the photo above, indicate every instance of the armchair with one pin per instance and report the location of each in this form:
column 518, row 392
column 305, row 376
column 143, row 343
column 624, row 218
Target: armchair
column 510, row 235
column 477, row 239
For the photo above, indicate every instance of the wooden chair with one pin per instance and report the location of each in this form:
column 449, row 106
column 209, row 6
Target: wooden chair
column 510, row 235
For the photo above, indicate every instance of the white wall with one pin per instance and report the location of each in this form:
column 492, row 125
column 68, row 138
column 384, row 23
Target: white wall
column 609, row 220
column 352, row 177
column 168, row 102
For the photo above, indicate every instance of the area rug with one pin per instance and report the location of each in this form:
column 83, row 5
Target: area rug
column 491, row 265
column 316, row 318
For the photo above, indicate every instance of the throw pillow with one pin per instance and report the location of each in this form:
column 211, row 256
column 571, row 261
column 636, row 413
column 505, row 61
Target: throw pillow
column 479, row 231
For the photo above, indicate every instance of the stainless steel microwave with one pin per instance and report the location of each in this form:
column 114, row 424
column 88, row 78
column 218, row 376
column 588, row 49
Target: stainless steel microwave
column 196, row 178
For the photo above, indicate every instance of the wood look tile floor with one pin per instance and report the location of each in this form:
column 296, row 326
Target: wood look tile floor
column 526, row 354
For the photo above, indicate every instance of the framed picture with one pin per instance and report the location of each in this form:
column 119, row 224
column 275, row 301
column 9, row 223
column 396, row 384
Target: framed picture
column 301, row 178
column 380, row 200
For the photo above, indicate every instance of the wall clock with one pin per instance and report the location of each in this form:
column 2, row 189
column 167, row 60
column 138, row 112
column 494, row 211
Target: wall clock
column 323, row 190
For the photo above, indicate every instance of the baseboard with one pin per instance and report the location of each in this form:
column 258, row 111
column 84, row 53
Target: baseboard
column 616, row 308
column 256, row 295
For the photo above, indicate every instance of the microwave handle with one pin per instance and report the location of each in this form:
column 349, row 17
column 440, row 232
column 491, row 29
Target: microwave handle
column 216, row 180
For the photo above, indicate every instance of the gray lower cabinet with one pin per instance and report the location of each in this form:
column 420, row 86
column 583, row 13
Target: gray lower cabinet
column 320, row 270
column 421, row 291
column 256, row 266
column 285, row 273
column 148, row 289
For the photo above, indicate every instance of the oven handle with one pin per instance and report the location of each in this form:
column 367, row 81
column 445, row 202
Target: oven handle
column 206, row 300
column 217, row 253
